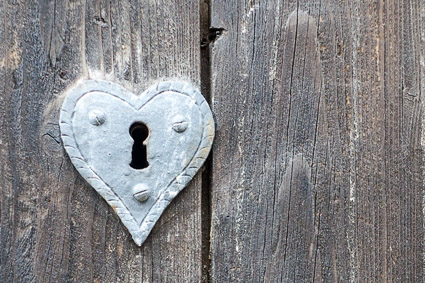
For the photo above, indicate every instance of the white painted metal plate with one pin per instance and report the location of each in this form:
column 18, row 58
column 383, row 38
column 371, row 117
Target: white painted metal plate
column 98, row 122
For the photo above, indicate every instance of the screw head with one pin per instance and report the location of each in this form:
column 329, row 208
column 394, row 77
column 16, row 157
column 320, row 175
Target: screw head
column 141, row 192
column 97, row 117
column 180, row 124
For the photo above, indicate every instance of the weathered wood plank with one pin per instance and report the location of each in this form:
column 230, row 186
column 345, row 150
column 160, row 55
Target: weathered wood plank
column 317, row 168
column 54, row 227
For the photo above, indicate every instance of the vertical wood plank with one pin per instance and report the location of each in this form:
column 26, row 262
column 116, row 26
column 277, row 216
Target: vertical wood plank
column 54, row 227
column 317, row 168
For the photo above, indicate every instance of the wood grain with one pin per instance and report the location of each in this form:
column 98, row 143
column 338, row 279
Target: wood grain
column 54, row 227
column 317, row 168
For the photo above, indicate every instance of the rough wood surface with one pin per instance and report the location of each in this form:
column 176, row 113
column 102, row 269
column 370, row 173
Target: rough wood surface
column 54, row 227
column 317, row 168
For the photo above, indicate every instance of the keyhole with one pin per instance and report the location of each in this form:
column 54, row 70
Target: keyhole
column 139, row 158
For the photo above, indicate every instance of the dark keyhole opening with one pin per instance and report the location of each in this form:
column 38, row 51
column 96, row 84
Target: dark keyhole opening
column 139, row 157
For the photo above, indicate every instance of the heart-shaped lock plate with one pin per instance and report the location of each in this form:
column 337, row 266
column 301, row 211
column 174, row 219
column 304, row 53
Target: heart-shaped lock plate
column 137, row 151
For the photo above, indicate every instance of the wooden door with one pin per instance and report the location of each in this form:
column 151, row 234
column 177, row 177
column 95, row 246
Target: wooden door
column 316, row 173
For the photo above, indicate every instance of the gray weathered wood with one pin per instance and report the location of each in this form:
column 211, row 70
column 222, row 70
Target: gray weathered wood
column 54, row 227
column 317, row 168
